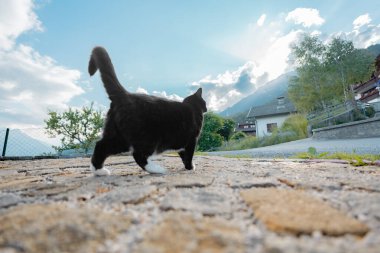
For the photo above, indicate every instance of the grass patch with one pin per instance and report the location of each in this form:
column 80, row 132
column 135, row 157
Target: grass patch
column 171, row 153
column 175, row 154
column 353, row 158
column 244, row 143
column 241, row 156
column 199, row 153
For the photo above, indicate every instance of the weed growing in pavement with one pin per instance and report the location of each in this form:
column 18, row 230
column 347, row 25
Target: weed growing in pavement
column 352, row 158
column 240, row 156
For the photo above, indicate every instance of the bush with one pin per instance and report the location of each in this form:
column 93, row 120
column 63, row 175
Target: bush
column 369, row 112
column 358, row 115
column 296, row 123
column 209, row 141
column 244, row 143
column 238, row 135
column 215, row 129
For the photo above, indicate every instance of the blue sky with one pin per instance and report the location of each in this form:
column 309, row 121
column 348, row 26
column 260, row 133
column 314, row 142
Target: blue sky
column 163, row 48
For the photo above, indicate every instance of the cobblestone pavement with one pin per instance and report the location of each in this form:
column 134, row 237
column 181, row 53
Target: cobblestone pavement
column 225, row 205
column 288, row 149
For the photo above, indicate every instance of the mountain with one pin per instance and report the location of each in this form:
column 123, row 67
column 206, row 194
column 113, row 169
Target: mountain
column 261, row 96
column 21, row 144
column 374, row 49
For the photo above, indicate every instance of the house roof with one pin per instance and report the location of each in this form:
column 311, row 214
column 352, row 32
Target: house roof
column 281, row 105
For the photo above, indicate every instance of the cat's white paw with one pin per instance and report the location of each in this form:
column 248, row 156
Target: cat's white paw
column 101, row 172
column 154, row 168
column 193, row 166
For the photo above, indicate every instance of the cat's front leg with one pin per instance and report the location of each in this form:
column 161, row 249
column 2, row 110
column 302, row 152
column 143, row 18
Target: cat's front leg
column 187, row 156
column 145, row 162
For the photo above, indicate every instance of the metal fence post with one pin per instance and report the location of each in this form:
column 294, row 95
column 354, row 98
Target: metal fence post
column 5, row 142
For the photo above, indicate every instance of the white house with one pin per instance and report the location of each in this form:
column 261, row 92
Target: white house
column 369, row 91
column 271, row 116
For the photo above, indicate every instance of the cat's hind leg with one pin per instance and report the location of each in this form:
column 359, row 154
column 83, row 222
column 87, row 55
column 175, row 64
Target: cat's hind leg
column 104, row 148
column 145, row 162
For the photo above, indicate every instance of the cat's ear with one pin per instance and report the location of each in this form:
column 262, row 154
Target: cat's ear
column 199, row 92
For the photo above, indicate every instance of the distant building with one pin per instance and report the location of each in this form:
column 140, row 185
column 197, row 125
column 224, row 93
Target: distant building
column 270, row 116
column 248, row 127
column 369, row 91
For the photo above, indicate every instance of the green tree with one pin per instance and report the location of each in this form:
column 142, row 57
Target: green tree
column 227, row 129
column 309, row 88
column 78, row 129
column 212, row 122
column 347, row 65
column 215, row 129
column 325, row 72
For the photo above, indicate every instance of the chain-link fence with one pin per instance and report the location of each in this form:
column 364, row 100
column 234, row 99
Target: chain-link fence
column 26, row 143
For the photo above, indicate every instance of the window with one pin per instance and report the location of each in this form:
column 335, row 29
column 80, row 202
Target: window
column 271, row 127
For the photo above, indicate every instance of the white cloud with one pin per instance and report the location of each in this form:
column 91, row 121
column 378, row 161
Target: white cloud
column 15, row 19
column 161, row 94
column 30, row 83
column 141, row 91
column 361, row 20
column 7, row 85
column 275, row 62
column 364, row 33
column 306, row 17
column 316, row 33
column 261, row 20
column 35, row 84
column 228, row 88
column 365, row 37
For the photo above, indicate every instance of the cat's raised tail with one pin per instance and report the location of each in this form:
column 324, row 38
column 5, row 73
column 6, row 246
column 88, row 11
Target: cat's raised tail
column 100, row 60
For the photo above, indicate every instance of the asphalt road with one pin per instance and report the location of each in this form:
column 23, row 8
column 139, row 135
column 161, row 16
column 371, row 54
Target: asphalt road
column 360, row 146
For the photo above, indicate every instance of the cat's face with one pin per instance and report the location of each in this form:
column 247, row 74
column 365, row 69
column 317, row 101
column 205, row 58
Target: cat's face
column 197, row 99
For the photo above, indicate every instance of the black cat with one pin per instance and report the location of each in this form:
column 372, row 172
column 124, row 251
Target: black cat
column 144, row 125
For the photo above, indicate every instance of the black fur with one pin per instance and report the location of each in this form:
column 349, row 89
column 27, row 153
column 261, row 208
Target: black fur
column 145, row 123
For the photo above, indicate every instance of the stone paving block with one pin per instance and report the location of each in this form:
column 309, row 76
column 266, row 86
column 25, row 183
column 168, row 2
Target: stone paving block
column 127, row 195
column 19, row 183
column 58, row 228
column 209, row 201
column 251, row 181
column 180, row 232
column 184, row 181
column 298, row 213
column 9, row 199
column 50, row 189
